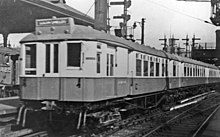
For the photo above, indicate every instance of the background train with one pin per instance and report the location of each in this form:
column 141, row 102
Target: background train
column 9, row 72
column 75, row 74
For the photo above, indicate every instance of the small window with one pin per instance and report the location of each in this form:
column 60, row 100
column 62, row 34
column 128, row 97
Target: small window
column 138, row 67
column 107, row 65
column 73, row 54
column 111, row 64
column 98, row 46
column 98, row 63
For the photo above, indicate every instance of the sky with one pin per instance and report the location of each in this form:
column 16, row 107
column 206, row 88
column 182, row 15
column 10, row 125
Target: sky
column 163, row 17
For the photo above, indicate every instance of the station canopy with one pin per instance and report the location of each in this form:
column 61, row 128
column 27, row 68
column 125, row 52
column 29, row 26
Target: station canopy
column 18, row 16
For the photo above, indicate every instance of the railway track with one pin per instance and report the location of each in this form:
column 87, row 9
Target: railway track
column 159, row 123
column 186, row 124
column 6, row 122
column 152, row 123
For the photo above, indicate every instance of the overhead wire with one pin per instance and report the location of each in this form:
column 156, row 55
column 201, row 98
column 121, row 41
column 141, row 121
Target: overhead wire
column 90, row 8
column 176, row 11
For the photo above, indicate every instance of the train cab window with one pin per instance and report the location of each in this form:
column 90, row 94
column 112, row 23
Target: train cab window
column 30, row 59
column 73, row 54
column 55, row 56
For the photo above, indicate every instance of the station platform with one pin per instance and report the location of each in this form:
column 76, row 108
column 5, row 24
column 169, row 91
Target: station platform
column 213, row 127
column 9, row 105
column 11, row 101
column 6, row 109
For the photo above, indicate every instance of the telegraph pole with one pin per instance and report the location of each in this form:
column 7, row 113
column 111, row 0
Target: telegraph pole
column 187, row 44
column 101, row 15
column 164, row 43
column 193, row 41
column 142, row 30
column 172, row 43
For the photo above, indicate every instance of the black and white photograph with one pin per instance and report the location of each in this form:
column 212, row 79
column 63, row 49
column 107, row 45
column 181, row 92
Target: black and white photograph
column 109, row 68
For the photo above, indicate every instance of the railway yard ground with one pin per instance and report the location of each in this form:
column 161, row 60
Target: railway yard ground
column 201, row 119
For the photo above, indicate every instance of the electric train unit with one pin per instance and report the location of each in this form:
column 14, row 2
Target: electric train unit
column 76, row 74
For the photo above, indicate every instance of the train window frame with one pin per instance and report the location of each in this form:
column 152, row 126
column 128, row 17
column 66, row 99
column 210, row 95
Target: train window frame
column 191, row 71
column 152, row 67
column 98, row 62
column 138, row 64
column 69, row 59
column 174, row 69
column 157, row 67
column 32, row 69
column 52, row 57
column 163, row 67
column 146, row 66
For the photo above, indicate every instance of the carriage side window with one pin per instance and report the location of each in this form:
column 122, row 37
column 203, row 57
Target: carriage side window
column 188, row 70
column 163, row 69
column 166, row 68
column 194, row 72
column 73, row 54
column 157, row 67
column 191, row 70
column 47, row 58
column 145, row 68
column 30, row 59
column 110, row 65
column 56, row 58
column 138, row 64
column 151, row 66
column 174, row 68
column 185, row 69
column 138, row 67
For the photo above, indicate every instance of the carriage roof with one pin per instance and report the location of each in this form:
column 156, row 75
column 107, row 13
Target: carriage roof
column 90, row 34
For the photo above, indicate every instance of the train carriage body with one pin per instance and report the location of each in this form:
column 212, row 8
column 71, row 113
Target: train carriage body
column 69, row 64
